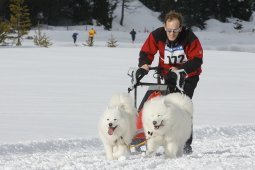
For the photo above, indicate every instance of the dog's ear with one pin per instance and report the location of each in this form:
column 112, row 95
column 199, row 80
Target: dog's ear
column 167, row 103
column 121, row 107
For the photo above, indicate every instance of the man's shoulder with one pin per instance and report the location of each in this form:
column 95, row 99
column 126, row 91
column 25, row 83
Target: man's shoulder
column 159, row 34
column 188, row 35
column 159, row 30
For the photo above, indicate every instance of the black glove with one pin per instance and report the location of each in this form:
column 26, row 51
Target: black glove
column 171, row 78
column 140, row 73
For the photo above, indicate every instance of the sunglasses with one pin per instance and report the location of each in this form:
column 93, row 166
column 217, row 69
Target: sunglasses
column 173, row 30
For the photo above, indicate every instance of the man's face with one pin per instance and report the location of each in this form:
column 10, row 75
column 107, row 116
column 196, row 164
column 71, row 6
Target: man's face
column 172, row 29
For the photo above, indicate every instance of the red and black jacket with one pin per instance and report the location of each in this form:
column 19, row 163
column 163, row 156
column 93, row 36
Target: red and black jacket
column 186, row 41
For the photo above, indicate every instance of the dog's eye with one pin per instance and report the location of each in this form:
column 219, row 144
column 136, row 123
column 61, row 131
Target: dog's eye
column 158, row 115
column 114, row 119
column 107, row 119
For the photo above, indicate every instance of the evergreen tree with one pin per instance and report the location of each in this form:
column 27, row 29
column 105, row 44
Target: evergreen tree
column 20, row 21
column 224, row 10
column 241, row 9
column 103, row 12
column 166, row 6
column 238, row 25
column 193, row 16
column 152, row 4
column 4, row 30
column 82, row 12
column 90, row 42
column 40, row 39
column 112, row 42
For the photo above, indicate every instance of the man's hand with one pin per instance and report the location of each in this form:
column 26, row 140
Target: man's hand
column 140, row 73
column 176, row 78
column 171, row 78
column 146, row 67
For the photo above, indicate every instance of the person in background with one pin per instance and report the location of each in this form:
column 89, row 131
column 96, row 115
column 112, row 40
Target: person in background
column 75, row 34
column 133, row 33
column 179, row 48
column 92, row 33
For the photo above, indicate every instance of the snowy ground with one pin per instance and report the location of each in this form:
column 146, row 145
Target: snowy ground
column 51, row 100
column 218, row 148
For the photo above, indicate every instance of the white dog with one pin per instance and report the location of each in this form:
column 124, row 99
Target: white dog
column 117, row 126
column 167, row 122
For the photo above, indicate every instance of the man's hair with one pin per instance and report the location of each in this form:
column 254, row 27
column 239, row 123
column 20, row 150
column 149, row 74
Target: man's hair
column 174, row 15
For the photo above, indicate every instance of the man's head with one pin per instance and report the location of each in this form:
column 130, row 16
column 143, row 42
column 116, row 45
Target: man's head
column 173, row 24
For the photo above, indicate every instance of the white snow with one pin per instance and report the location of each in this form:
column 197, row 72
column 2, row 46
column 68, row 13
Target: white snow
column 51, row 100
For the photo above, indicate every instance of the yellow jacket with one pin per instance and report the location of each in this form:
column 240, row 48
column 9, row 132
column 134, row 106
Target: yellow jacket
column 92, row 32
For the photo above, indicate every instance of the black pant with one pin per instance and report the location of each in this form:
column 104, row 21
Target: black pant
column 133, row 38
column 74, row 40
column 189, row 88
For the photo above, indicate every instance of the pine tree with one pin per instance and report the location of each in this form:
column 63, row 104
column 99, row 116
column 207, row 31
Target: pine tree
column 20, row 21
column 193, row 16
column 40, row 39
column 4, row 30
column 112, row 42
column 90, row 42
column 103, row 12
column 224, row 10
column 238, row 25
column 152, row 4
column 241, row 9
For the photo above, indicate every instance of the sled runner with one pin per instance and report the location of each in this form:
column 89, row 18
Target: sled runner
column 154, row 90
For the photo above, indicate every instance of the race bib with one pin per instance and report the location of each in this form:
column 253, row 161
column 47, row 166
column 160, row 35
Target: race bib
column 175, row 55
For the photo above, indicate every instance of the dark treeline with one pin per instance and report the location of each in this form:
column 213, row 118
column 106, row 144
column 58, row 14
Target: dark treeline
column 196, row 12
column 68, row 12
column 100, row 12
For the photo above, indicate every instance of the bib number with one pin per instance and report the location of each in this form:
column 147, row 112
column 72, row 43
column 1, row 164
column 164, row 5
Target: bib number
column 174, row 55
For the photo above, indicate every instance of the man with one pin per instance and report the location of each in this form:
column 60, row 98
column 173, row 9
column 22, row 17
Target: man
column 92, row 33
column 178, row 48
column 133, row 33
column 75, row 34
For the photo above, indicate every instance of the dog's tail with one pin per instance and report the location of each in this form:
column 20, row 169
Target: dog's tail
column 182, row 101
column 124, row 101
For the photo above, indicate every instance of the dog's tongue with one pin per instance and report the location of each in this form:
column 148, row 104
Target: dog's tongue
column 110, row 131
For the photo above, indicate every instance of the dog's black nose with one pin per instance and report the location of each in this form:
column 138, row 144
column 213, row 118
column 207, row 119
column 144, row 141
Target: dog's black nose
column 110, row 124
column 154, row 122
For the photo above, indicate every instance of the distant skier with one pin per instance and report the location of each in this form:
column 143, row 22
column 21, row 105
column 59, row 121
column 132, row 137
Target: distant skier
column 75, row 34
column 133, row 33
column 92, row 33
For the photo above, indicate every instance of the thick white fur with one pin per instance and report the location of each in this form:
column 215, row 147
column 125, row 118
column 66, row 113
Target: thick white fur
column 121, row 113
column 175, row 112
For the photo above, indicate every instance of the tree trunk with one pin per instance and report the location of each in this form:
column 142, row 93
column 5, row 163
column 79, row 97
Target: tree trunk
column 122, row 12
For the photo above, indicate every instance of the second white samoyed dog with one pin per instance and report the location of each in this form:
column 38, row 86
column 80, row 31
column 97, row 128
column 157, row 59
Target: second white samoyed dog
column 117, row 126
column 167, row 122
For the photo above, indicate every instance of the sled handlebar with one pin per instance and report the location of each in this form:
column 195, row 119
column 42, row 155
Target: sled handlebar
column 135, row 83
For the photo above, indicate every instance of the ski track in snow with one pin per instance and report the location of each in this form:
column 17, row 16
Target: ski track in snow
column 215, row 147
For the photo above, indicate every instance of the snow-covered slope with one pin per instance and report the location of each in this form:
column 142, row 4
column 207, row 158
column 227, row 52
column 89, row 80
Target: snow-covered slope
column 137, row 16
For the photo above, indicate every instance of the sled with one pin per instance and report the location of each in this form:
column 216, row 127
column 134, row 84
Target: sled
column 154, row 89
